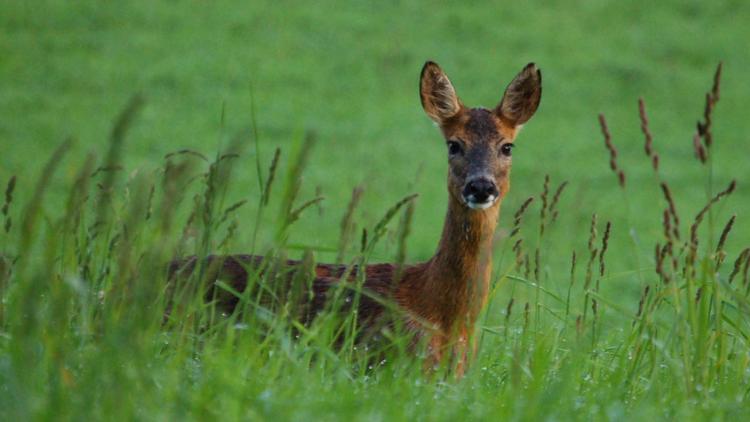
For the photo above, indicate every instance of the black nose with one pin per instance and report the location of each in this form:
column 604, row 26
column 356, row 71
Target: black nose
column 479, row 190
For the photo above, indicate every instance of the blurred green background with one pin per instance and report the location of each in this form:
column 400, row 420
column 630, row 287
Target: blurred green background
column 349, row 71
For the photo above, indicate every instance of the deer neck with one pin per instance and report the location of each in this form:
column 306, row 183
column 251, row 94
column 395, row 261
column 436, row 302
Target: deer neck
column 452, row 287
column 464, row 254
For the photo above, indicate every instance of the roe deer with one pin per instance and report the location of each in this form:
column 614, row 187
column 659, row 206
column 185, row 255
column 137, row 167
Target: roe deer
column 441, row 299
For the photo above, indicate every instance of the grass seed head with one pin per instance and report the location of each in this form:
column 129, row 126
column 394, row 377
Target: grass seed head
column 545, row 204
column 655, row 161
column 641, row 302
column 509, row 308
column 592, row 232
column 347, row 222
column 518, row 249
column 8, row 200
column 594, row 306
column 700, row 151
column 271, row 176
column 738, row 264
column 363, row 241
column 701, row 215
column 518, row 216
column 526, row 266
column 9, row 194
column 672, row 209
column 717, row 82
column 573, row 263
column 556, row 200
column 667, row 224
column 648, row 146
column 612, row 151
column 605, row 244
column 712, row 97
column 659, row 260
column 720, row 254
column 526, row 315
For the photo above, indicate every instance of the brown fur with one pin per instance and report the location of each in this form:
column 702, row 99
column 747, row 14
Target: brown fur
column 441, row 298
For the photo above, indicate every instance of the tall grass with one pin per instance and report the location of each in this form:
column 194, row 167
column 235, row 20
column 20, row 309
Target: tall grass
column 92, row 328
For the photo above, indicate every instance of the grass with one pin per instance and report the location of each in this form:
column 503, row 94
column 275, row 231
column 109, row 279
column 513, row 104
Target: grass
column 92, row 222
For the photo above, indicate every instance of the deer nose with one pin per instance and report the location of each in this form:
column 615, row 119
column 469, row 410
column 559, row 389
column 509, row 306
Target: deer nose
column 480, row 191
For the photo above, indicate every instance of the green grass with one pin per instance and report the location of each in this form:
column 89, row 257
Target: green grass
column 81, row 332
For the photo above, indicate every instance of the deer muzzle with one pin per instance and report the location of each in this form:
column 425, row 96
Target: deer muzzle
column 480, row 193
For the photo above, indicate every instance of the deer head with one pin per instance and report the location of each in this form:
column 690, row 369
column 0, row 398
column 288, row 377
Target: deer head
column 480, row 141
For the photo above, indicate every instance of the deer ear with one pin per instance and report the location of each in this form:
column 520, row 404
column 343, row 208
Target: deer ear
column 521, row 97
column 438, row 96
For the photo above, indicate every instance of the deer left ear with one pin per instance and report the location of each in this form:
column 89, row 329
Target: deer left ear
column 438, row 96
column 521, row 97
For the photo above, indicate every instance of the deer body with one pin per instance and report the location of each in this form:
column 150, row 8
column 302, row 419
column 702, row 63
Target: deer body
column 443, row 297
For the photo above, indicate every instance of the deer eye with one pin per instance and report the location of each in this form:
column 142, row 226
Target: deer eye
column 506, row 149
column 454, row 148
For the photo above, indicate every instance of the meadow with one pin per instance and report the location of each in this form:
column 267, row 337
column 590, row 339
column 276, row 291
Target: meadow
column 134, row 132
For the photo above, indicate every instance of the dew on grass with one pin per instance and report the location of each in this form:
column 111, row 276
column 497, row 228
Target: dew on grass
column 265, row 395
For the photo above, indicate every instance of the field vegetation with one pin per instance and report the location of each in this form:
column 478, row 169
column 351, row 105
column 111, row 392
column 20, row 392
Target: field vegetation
column 136, row 132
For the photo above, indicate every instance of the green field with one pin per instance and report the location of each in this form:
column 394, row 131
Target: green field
column 81, row 333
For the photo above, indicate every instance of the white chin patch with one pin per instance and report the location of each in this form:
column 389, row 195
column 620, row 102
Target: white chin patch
column 480, row 205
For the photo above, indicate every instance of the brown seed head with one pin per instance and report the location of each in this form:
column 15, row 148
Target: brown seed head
column 518, row 216
column 556, row 199
column 738, row 264
column 605, row 244
column 545, row 204
column 700, row 151
column 672, row 208
column 701, row 215
column 717, row 81
column 612, row 151
column 573, row 262
column 509, row 309
column 644, row 295
column 648, row 147
column 725, row 233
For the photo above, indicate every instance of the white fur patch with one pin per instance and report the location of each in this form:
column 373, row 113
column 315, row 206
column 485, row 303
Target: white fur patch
column 480, row 205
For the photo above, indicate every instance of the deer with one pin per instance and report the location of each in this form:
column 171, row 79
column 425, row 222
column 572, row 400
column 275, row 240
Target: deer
column 440, row 299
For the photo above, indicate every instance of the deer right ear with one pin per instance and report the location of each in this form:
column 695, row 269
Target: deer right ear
column 438, row 96
column 521, row 97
